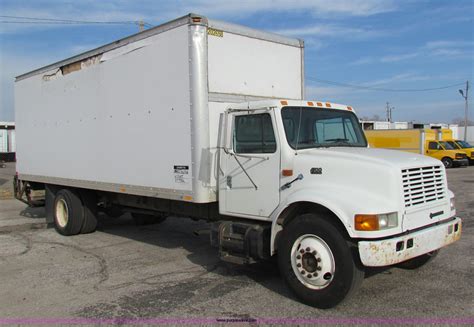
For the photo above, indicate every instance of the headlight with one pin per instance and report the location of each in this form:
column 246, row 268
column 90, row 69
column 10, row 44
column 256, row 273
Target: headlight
column 375, row 222
column 452, row 204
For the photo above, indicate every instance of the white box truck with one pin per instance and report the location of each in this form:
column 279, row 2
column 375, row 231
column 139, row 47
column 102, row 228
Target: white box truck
column 204, row 119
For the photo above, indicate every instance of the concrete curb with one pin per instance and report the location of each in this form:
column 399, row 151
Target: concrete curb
column 6, row 195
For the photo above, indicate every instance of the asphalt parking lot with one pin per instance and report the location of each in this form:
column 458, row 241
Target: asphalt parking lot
column 164, row 273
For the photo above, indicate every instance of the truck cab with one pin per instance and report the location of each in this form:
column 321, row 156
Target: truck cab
column 305, row 167
column 463, row 146
column 444, row 151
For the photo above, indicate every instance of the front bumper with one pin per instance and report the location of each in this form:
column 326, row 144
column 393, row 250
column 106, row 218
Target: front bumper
column 398, row 249
column 461, row 162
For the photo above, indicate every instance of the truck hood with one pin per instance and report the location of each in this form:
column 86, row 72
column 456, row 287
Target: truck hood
column 365, row 180
column 394, row 158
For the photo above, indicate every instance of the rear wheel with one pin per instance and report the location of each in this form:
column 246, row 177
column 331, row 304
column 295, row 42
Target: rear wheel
column 90, row 212
column 68, row 212
column 418, row 262
column 317, row 262
column 447, row 162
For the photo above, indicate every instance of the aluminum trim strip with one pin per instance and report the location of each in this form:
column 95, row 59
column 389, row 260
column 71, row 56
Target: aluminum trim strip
column 238, row 98
column 109, row 187
column 255, row 34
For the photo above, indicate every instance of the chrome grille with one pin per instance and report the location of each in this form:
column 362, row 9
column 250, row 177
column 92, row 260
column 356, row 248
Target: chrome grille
column 422, row 185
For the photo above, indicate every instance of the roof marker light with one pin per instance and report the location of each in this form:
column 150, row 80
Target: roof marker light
column 328, row 105
column 310, row 104
column 349, row 108
column 319, row 104
column 284, row 103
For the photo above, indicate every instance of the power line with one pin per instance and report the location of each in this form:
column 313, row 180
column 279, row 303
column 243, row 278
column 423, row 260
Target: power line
column 379, row 88
column 37, row 20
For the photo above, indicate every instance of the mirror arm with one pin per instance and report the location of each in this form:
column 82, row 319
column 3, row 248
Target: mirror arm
column 245, row 171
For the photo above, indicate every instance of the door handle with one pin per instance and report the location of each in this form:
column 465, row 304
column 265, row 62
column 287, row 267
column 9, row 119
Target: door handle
column 229, row 181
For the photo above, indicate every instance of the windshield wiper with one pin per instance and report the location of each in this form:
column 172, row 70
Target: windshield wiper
column 338, row 140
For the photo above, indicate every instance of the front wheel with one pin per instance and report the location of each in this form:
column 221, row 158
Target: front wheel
column 317, row 263
column 447, row 162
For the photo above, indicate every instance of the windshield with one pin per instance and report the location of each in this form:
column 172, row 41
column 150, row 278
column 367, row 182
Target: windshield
column 309, row 127
column 454, row 144
column 446, row 145
column 464, row 144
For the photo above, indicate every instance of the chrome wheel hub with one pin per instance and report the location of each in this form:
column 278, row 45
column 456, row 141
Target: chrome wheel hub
column 312, row 261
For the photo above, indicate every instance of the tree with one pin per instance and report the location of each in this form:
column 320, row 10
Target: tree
column 460, row 122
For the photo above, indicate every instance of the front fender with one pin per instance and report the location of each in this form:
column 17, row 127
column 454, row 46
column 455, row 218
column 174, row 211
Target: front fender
column 343, row 202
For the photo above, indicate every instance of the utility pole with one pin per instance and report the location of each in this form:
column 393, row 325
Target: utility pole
column 465, row 96
column 388, row 110
column 141, row 25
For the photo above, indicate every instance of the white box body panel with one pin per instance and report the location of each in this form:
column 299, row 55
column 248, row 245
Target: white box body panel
column 124, row 121
column 252, row 67
column 138, row 118
column 11, row 140
column 3, row 140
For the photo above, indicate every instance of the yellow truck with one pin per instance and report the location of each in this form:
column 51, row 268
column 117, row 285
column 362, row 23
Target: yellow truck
column 459, row 145
column 423, row 141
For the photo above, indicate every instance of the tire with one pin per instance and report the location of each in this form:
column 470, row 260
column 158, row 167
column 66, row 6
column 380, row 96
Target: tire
column 144, row 219
column 335, row 273
column 447, row 162
column 418, row 262
column 90, row 212
column 68, row 212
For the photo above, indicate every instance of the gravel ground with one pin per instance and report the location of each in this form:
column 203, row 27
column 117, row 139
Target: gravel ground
column 165, row 274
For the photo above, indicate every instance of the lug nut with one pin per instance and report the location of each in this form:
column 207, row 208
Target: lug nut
column 298, row 257
column 308, row 249
column 314, row 252
column 318, row 268
column 303, row 272
column 310, row 276
column 301, row 251
column 318, row 259
column 298, row 265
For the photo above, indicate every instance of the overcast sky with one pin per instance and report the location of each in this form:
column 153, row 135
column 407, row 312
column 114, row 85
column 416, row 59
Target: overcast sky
column 376, row 43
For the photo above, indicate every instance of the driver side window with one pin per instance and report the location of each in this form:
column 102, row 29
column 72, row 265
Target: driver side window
column 434, row 146
column 254, row 134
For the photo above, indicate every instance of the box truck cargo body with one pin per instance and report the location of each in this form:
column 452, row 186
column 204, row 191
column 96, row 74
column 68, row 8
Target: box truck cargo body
column 140, row 101
column 204, row 119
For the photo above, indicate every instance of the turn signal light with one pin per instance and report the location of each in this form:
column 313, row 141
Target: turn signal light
column 287, row 172
column 366, row 222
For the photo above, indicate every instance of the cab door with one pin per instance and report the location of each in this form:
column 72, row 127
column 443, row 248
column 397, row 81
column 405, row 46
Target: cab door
column 434, row 150
column 249, row 179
